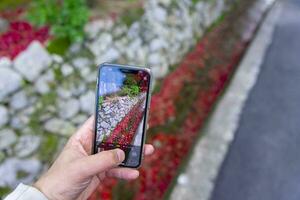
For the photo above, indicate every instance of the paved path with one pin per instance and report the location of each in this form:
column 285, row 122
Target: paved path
column 263, row 162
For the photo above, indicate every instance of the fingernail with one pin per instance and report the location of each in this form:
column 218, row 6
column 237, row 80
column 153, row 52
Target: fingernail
column 134, row 175
column 121, row 155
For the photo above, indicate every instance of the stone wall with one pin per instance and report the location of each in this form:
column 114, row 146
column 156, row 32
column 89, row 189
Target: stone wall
column 44, row 97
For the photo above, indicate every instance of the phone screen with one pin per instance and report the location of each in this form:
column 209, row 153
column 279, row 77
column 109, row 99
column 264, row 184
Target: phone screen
column 122, row 98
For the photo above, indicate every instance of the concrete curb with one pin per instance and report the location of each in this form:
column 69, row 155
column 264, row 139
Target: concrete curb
column 197, row 180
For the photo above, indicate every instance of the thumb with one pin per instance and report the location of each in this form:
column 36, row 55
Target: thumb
column 100, row 162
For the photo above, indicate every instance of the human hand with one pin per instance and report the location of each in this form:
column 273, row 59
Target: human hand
column 76, row 174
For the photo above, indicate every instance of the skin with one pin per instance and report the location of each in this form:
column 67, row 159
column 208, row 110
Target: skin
column 76, row 173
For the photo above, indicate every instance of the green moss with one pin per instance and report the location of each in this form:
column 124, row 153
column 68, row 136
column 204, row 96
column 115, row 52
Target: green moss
column 22, row 174
column 9, row 4
column 58, row 75
column 2, row 156
column 41, row 109
column 59, row 46
column 4, row 191
column 132, row 16
column 48, row 147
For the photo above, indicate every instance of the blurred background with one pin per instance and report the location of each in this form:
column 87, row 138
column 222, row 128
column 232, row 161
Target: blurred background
column 224, row 110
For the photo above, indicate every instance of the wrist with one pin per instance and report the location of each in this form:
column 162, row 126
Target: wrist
column 41, row 188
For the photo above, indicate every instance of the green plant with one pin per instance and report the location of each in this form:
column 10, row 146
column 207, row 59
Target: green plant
column 100, row 100
column 66, row 18
column 131, row 90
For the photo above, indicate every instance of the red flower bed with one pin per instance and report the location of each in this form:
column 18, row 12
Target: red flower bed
column 125, row 130
column 179, row 109
column 163, row 103
column 18, row 36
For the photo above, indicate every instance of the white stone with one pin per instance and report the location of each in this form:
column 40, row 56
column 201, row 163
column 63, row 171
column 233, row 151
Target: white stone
column 64, row 93
column 105, row 125
column 183, row 179
column 3, row 116
column 19, row 100
column 78, row 89
column 7, row 138
column 42, row 83
column 157, row 44
column 165, row 2
column 80, row 63
column 79, row 119
column 100, row 44
column 57, row 58
column 27, row 145
column 10, row 81
column 75, row 48
column 5, row 62
column 134, row 30
column 10, row 168
column 154, row 59
column 17, row 122
column 159, row 71
column 109, row 56
column 94, row 27
column 87, row 102
column 159, row 14
column 31, row 62
column 69, row 108
column 66, row 69
column 59, row 126
column 119, row 30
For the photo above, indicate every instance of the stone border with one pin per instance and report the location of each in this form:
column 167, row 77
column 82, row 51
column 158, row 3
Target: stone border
column 197, row 179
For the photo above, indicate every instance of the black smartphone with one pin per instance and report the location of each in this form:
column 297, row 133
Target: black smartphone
column 122, row 104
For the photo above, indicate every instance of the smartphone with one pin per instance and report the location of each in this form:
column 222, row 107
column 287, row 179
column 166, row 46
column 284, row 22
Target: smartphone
column 122, row 104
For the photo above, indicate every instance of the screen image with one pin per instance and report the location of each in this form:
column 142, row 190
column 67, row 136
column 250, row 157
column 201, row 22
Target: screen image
column 121, row 107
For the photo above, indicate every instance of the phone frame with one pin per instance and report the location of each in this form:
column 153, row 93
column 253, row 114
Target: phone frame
column 147, row 107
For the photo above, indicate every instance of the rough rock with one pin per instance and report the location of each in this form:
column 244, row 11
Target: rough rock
column 7, row 138
column 100, row 45
column 42, row 83
column 59, row 126
column 10, row 168
column 57, row 58
column 5, row 62
column 26, row 145
column 69, row 108
column 110, row 55
column 87, row 102
column 79, row 119
column 64, row 93
column 19, row 100
column 81, row 63
column 78, row 89
column 157, row 44
column 3, row 115
column 67, row 69
column 94, row 27
column 31, row 62
column 159, row 14
column 10, row 81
